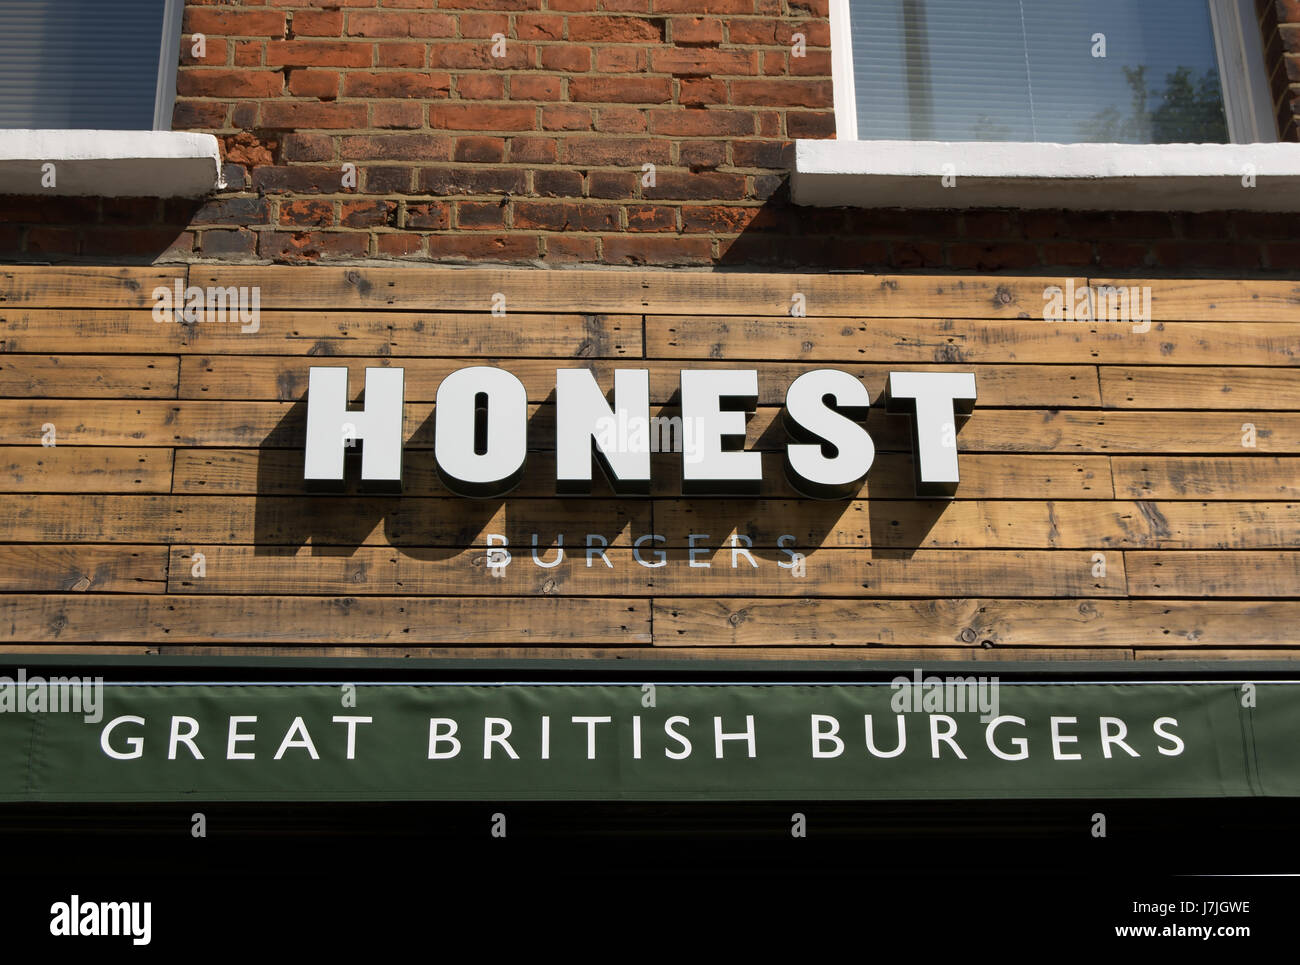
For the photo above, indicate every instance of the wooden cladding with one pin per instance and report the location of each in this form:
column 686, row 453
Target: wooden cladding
column 1125, row 494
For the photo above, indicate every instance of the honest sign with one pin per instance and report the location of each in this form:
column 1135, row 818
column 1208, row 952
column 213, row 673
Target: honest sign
column 481, row 430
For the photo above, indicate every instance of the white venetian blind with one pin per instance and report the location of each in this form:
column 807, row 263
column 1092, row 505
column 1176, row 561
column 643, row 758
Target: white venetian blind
column 1029, row 70
column 89, row 64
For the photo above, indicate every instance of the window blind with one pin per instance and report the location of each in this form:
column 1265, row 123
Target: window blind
column 1036, row 70
column 90, row 64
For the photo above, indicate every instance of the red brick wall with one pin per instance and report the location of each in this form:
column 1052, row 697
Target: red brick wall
column 537, row 156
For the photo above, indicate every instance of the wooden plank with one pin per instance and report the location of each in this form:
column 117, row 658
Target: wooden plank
column 984, row 625
column 982, row 524
column 276, row 471
column 1236, row 387
column 1248, row 573
column 1241, row 477
column 322, row 335
column 82, row 568
column 74, row 469
column 338, row 621
column 836, row 572
column 65, row 286
column 661, row 292
column 904, row 341
column 255, row 378
column 327, row 521
column 89, row 376
column 1216, row 299
column 154, row 422
column 703, row 654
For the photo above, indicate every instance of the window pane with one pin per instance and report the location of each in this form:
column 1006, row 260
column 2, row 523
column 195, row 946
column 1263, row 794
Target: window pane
column 1026, row 70
column 89, row 64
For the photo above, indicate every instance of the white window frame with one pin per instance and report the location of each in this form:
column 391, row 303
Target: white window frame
column 1243, row 77
column 169, row 58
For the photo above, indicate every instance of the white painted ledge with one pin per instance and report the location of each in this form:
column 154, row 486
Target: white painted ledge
column 111, row 164
column 1111, row 177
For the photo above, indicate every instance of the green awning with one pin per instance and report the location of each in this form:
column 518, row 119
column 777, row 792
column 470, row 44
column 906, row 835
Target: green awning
column 164, row 742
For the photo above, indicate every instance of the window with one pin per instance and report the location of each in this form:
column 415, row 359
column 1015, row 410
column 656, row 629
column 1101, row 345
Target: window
column 1064, row 71
column 88, row 64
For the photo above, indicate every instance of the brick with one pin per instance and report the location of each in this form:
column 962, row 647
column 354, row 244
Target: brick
column 646, row 249
column 631, row 152
column 235, row 175
column 243, row 114
column 621, row 120
column 817, row 33
column 296, row 115
column 389, row 180
column 249, row 53
column 1186, row 254
column 566, row 216
column 226, row 242
column 622, row 60
column 427, row 214
column 651, row 217
column 569, row 249
column 11, row 236
column 757, row 32
column 481, row 26
column 399, row 55
column 307, row 147
column 806, row 124
column 62, row 241
column 473, row 215
column 716, row 219
column 616, row 185
column 481, row 87
column 513, row 248
column 769, row 123
column 479, row 117
column 702, row 123
column 307, row 214
column 772, row 62
column 396, row 114
column 695, row 62
column 1119, row 256
column 782, row 93
column 530, row 26
column 625, row 6
column 233, row 23
column 233, row 211
column 1264, row 224
column 702, row 6
column 366, row 213
column 627, row 90
column 198, row 115
column 129, row 211
column 1068, row 253
column 566, row 58
column 704, row 186
column 702, row 154
column 481, row 149
column 993, row 257
column 762, row 154
column 396, row 147
column 564, row 117
column 398, row 244
column 214, row 51
column 298, row 179
column 701, row 92
column 816, row 63
column 396, row 84
column 318, row 23
column 393, row 24
column 478, row 56
column 765, row 186
column 574, row 6
column 535, row 88
column 534, row 150
column 465, row 180
column 310, row 246
column 314, row 83
column 309, row 53
column 696, row 30
column 125, row 242
column 557, row 184
column 616, row 29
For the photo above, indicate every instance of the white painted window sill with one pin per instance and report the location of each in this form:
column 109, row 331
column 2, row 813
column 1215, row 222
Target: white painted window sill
column 1112, row 177
column 110, row 164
